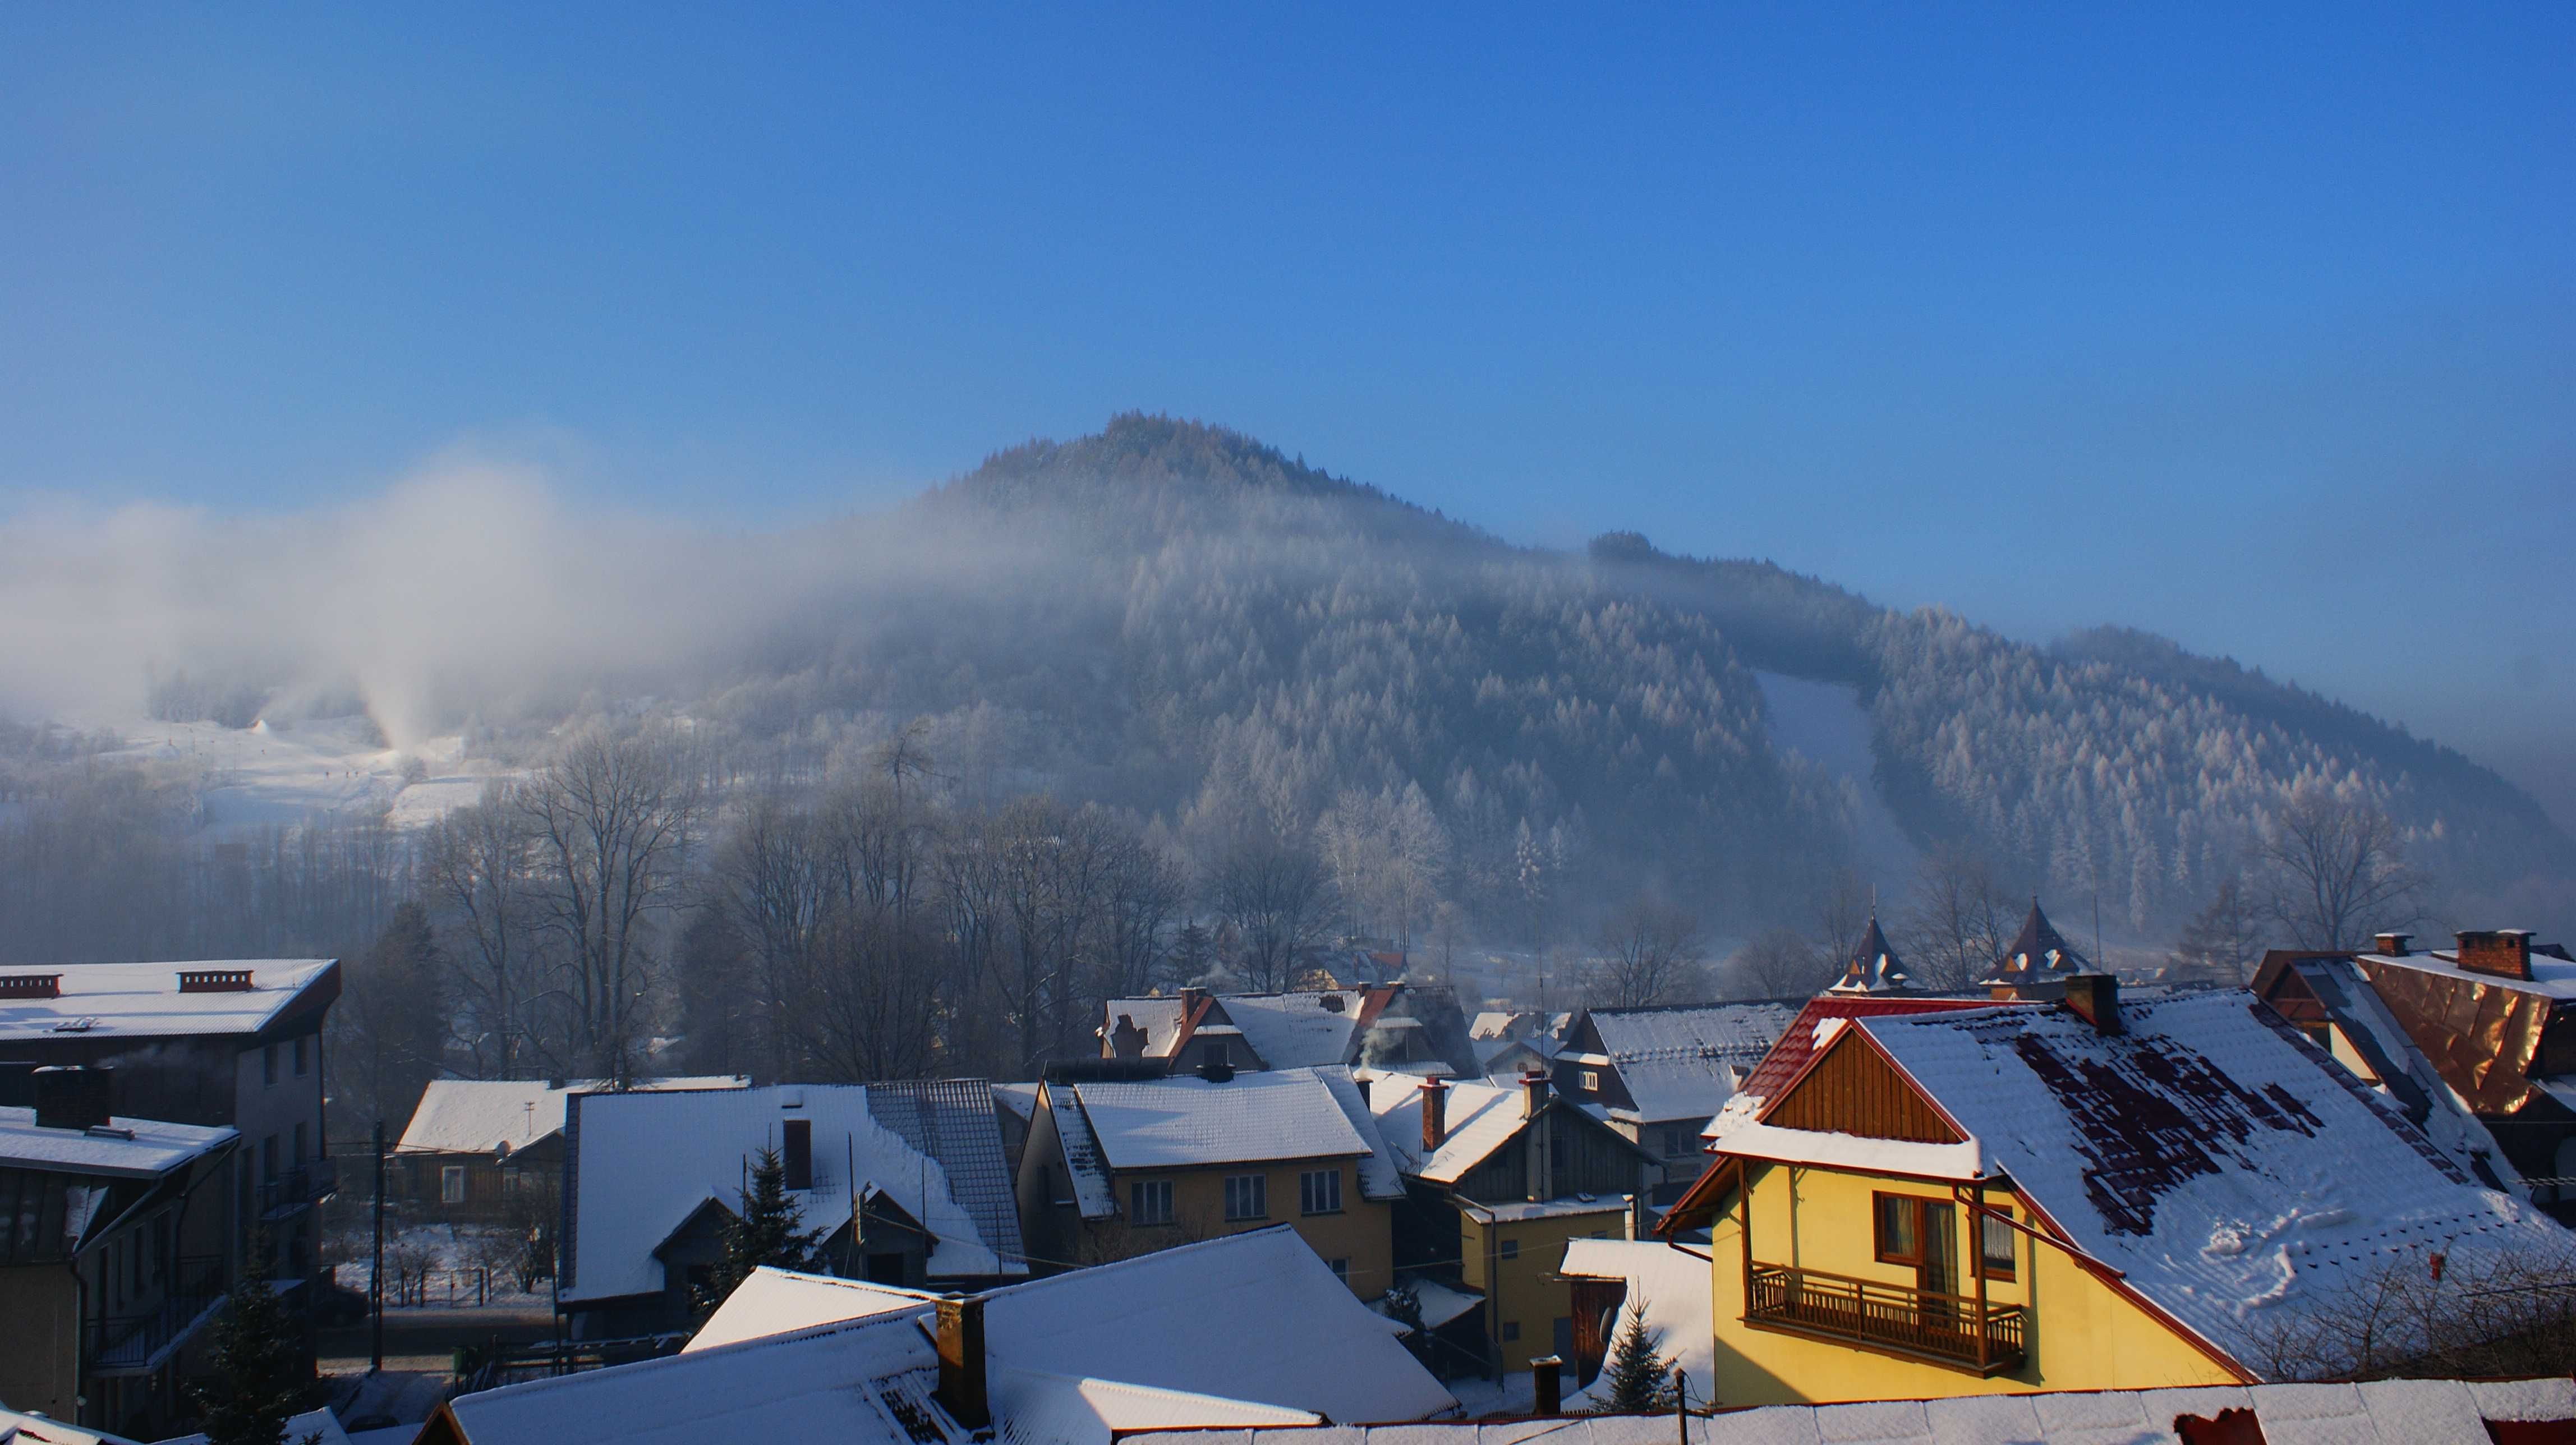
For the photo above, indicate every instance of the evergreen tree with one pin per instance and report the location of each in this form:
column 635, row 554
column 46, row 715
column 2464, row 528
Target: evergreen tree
column 763, row 1231
column 1639, row 1379
column 257, row 1382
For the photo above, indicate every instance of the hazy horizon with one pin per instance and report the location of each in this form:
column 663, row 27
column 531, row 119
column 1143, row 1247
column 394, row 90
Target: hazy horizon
column 2254, row 331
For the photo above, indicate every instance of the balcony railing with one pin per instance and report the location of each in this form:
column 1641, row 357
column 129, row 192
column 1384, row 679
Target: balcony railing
column 294, row 1188
column 1945, row 1329
column 132, row 1344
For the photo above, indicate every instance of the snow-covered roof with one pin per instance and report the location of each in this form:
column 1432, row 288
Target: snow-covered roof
column 956, row 1122
column 1480, row 1119
column 1297, row 1030
column 1293, row 1334
column 2216, row 1158
column 1442, row 1302
column 2401, row 1070
column 2373, row 1412
column 1797, row 1041
column 477, row 1116
column 1020, row 1099
column 1084, row 1164
column 1160, row 1018
column 1186, row 1120
column 1670, row 1286
column 23, row 1429
column 142, row 1000
column 2553, row 977
column 783, row 1301
column 1683, row 1063
column 639, row 1165
column 1517, row 1211
column 1379, row 1176
column 127, row 1148
column 1498, row 1024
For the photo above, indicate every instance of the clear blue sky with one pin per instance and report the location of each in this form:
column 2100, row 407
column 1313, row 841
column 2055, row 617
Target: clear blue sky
column 2251, row 325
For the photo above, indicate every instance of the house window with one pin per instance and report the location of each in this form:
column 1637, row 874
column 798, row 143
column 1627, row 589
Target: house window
column 268, row 1064
column 1320, row 1192
column 1341, row 1269
column 1510, row 1249
column 1592, row 1081
column 1149, row 1201
column 268, row 1159
column 299, row 1057
column 1995, row 1258
column 1247, row 1196
column 451, row 1184
column 1900, row 1229
column 1511, row 1331
column 298, row 1158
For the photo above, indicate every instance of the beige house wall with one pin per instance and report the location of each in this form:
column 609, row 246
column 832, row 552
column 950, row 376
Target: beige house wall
column 1524, row 1290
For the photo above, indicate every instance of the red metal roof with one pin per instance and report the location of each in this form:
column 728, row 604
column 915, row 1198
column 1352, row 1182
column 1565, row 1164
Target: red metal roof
column 1798, row 1043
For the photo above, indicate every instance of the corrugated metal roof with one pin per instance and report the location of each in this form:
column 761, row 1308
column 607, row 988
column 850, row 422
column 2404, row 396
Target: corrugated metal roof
column 952, row 1121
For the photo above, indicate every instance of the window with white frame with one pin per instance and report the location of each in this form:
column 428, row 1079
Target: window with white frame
column 1247, row 1196
column 1319, row 1192
column 1149, row 1201
column 1592, row 1081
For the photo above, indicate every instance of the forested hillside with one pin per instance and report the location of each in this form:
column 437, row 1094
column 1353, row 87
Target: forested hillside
column 1101, row 714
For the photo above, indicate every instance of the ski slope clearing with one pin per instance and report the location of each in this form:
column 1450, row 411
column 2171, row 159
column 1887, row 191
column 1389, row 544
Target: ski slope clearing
column 323, row 769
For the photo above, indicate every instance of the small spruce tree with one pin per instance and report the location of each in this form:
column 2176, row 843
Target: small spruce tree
column 1639, row 1379
column 763, row 1231
column 257, row 1381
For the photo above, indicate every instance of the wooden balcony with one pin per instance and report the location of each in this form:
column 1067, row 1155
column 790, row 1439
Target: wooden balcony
column 1941, row 1329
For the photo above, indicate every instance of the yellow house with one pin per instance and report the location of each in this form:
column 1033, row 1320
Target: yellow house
column 1120, row 1167
column 1918, row 1198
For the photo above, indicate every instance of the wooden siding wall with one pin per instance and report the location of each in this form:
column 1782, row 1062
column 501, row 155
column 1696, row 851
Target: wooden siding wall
column 1591, row 1158
column 1852, row 1090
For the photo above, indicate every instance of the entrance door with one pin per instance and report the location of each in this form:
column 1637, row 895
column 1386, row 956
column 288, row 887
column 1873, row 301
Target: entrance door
column 1939, row 1273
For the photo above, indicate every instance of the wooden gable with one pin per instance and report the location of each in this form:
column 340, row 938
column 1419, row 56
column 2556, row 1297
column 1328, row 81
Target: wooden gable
column 1853, row 1089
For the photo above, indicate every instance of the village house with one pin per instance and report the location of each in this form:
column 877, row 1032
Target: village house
column 2075, row 1193
column 1242, row 1331
column 1119, row 1167
column 2495, row 1015
column 1658, row 1075
column 1414, row 1028
column 491, row 1150
column 1497, row 1179
column 227, row 1045
column 905, row 1182
column 121, row 1236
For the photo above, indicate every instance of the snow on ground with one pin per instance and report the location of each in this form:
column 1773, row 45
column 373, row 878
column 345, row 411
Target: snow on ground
column 1823, row 721
column 286, row 774
column 443, row 1248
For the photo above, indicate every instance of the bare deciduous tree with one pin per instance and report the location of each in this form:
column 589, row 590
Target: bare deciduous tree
column 1777, row 963
column 1650, row 953
column 2424, row 1315
column 1277, row 898
column 476, row 864
column 2335, row 870
column 1961, row 921
column 614, row 815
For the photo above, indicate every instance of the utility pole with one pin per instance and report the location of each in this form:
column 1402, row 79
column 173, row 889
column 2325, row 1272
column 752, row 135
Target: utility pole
column 376, row 1277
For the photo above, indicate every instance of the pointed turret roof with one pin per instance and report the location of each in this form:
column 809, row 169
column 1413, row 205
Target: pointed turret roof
column 1873, row 966
column 2040, row 953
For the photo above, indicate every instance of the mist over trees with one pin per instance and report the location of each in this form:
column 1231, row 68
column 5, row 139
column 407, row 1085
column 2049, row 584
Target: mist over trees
column 1163, row 705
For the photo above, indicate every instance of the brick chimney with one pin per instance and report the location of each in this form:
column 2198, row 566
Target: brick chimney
column 1533, row 1094
column 1547, row 1379
column 72, row 1098
column 2498, row 953
column 2393, row 945
column 1191, row 998
column 1435, row 1114
column 1126, row 1041
column 961, row 1361
column 2095, row 998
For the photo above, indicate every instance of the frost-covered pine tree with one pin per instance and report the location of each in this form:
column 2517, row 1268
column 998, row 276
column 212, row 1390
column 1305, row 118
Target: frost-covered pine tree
column 1639, row 1377
column 763, row 1231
